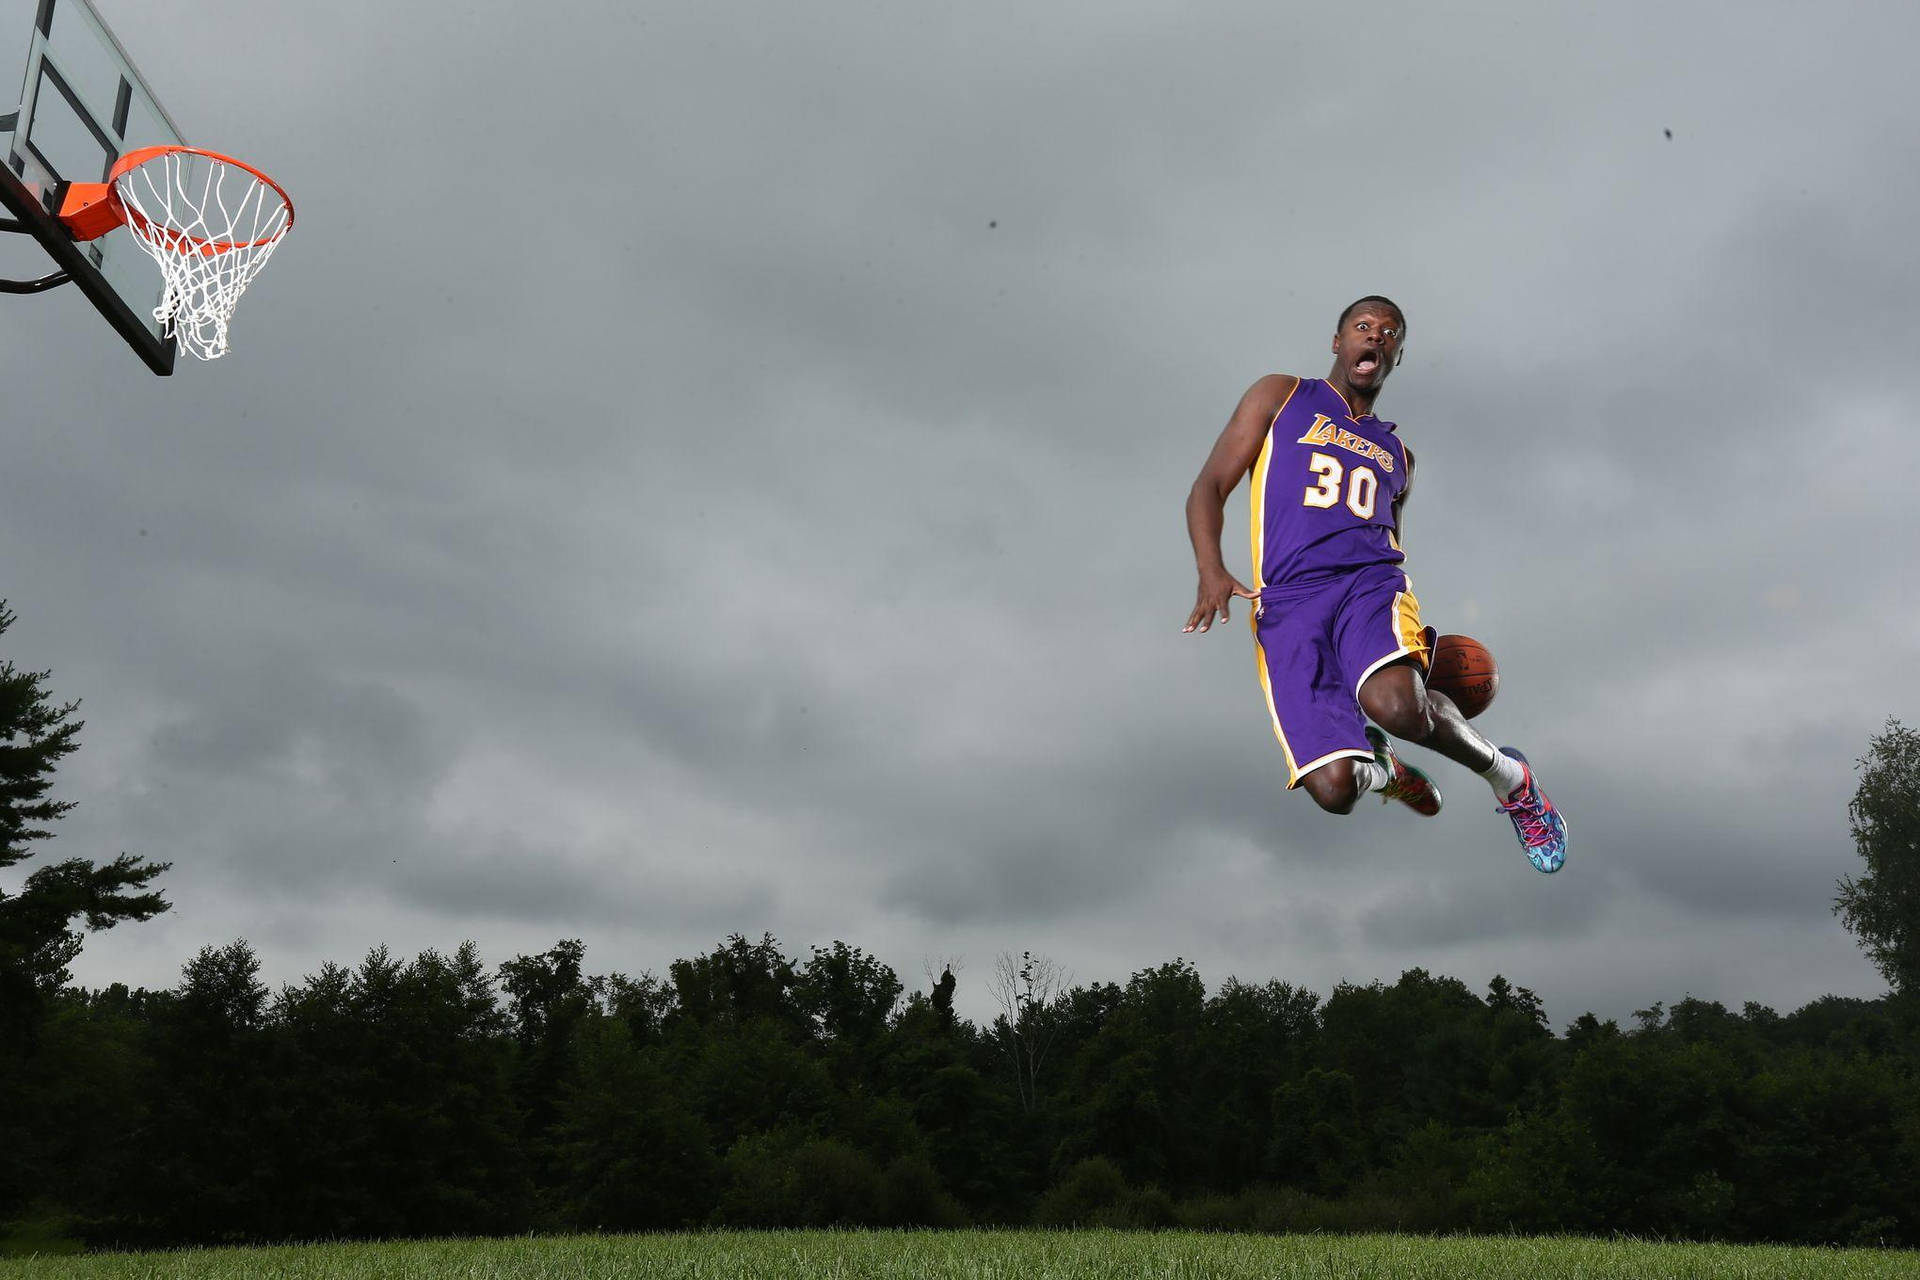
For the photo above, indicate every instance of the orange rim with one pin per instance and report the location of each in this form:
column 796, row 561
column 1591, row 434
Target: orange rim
column 133, row 217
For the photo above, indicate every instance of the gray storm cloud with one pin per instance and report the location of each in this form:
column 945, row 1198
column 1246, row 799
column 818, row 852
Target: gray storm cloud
column 697, row 470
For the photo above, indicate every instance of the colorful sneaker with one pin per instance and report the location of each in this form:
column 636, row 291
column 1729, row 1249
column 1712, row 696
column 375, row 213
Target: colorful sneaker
column 1541, row 828
column 1408, row 785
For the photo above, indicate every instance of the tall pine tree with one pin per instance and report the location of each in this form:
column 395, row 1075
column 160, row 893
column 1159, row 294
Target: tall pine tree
column 39, row 936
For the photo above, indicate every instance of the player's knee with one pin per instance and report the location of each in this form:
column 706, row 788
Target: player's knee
column 1404, row 715
column 1409, row 723
column 1332, row 786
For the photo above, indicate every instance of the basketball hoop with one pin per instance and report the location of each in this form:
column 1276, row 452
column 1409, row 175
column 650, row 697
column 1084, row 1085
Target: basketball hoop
column 210, row 221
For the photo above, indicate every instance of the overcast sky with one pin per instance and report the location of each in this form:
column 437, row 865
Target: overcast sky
column 718, row 468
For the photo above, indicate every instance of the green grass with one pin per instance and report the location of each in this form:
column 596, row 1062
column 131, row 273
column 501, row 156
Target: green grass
column 986, row 1255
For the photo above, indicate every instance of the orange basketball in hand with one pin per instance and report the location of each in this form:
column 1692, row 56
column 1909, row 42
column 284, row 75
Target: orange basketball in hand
column 1464, row 671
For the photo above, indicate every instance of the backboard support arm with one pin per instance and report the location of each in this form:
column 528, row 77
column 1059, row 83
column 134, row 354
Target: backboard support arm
column 28, row 214
column 41, row 285
column 53, row 281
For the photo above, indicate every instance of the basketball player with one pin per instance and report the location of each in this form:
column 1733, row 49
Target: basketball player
column 1335, row 623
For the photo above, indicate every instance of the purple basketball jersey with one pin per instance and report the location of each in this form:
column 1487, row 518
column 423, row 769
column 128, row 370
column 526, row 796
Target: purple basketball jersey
column 1323, row 490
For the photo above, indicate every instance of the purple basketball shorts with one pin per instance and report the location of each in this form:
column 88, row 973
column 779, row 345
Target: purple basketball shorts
column 1316, row 645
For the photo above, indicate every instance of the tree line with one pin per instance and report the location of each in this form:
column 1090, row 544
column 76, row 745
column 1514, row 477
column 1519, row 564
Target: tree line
column 438, row 1095
column 435, row 1096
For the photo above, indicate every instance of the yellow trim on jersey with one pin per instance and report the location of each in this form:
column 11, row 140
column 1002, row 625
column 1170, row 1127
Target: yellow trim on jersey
column 1295, row 770
column 1349, row 407
column 1273, row 712
column 1347, row 404
column 1257, row 495
column 1344, row 753
column 1257, row 510
column 1406, row 621
column 1408, row 633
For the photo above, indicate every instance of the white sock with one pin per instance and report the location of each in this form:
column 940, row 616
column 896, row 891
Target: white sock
column 1370, row 775
column 1505, row 774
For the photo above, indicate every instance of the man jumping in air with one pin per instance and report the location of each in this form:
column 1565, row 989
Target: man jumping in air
column 1335, row 623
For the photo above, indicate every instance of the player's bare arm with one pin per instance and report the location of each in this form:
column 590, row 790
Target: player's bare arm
column 1233, row 456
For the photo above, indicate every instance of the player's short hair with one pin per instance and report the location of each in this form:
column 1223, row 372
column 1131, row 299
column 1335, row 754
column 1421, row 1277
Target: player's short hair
column 1373, row 297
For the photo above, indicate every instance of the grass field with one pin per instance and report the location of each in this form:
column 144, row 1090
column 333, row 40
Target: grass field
column 987, row 1255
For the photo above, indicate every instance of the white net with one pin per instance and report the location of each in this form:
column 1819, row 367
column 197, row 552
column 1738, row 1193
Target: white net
column 211, row 225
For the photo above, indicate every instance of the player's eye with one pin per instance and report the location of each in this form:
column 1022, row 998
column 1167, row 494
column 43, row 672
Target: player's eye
column 1391, row 332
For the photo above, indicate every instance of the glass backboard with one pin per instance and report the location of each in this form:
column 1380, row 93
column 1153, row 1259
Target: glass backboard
column 82, row 104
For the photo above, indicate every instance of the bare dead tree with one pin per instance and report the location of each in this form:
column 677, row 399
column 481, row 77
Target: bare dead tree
column 1028, row 991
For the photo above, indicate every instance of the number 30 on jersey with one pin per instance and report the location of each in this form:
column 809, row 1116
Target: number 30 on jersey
column 1362, row 486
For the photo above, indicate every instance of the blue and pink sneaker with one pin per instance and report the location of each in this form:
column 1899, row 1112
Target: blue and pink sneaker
column 1542, row 831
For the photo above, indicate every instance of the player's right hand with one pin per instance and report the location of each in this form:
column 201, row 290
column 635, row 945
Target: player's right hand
column 1217, row 591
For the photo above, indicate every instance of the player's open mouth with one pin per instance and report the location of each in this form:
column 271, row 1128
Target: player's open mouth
column 1367, row 363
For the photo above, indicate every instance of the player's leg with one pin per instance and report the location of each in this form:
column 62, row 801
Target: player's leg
column 1376, row 627
column 1382, row 640
column 1404, row 718
column 1309, row 703
column 1397, row 698
column 1336, row 785
column 1378, row 634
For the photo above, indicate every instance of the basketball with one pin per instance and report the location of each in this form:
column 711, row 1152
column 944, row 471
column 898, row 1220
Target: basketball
column 1465, row 672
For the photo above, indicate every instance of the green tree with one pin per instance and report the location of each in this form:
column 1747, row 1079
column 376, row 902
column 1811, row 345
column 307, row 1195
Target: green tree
column 961, row 1104
column 548, row 997
column 71, row 1106
column 1254, row 1039
column 37, row 935
column 779, row 1179
column 849, row 994
column 203, row 1150
column 752, row 1078
column 1133, row 1081
column 1881, row 908
column 318, row 1130
column 632, row 1155
column 737, row 983
column 1416, row 1051
column 1319, row 1139
column 1089, row 1189
column 438, row 1154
